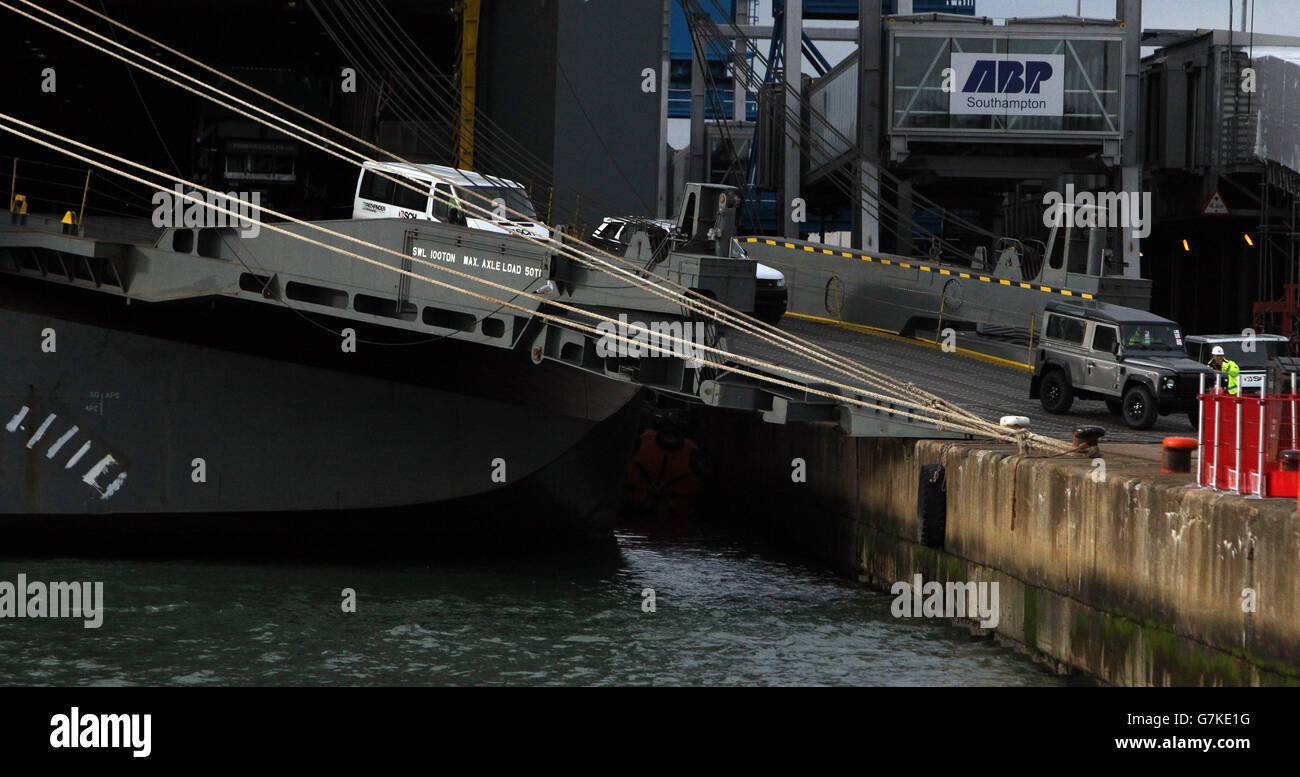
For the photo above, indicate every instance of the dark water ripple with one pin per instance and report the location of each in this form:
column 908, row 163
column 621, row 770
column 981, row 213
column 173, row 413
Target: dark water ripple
column 724, row 616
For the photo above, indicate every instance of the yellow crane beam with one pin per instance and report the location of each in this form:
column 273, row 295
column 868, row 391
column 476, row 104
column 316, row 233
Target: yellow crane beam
column 470, row 11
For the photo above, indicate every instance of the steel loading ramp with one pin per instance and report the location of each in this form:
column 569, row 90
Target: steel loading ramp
column 897, row 293
column 799, row 401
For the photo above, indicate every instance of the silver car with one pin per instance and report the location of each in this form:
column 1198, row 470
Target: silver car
column 1131, row 359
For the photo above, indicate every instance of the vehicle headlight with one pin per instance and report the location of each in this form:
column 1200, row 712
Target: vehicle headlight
column 780, row 283
column 1171, row 383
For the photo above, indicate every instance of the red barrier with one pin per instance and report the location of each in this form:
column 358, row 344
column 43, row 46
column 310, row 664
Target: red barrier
column 1249, row 462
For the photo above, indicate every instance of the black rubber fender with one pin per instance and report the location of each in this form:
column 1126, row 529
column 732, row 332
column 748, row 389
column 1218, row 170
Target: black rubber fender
column 931, row 506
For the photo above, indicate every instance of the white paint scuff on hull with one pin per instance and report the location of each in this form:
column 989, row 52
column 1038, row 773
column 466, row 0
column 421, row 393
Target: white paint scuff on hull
column 40, row 431
column 114, row 486
column 12, row 426
column 59, row 443
column 76, row 457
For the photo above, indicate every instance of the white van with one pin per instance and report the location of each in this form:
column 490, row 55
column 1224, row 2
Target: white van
column 378, row 197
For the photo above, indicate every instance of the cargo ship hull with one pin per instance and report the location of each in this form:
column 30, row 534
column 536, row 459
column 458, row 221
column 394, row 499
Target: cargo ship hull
column 217, row 412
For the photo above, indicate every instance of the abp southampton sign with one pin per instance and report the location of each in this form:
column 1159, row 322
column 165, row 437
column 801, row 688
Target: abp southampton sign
column 1007, row 85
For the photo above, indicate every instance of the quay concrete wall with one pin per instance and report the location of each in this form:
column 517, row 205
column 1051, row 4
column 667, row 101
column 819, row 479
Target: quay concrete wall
column 1134, row 580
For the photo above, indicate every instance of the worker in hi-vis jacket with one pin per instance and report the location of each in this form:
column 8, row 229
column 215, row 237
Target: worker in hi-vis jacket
column 1226, row 366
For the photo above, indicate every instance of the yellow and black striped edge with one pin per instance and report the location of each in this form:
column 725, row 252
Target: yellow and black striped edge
column 892, row 335
column 922, row 267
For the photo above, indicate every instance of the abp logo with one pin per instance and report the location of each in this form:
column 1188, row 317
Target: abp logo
column 1007, row 84
column 1008, row 76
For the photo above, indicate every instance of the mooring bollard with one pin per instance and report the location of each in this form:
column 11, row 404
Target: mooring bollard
column 1086, row 437
column 1177, row 456
column 1020, row 425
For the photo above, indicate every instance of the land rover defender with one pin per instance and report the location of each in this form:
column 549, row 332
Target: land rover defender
column 1131, row 359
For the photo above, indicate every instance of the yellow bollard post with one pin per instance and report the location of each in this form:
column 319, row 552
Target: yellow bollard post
column 82, row 213
column 1032, row 321
column 943, row 298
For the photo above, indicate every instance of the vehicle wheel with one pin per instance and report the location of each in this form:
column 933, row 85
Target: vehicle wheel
column 1055, row 393
column 1140, row 411
column 1114, row 405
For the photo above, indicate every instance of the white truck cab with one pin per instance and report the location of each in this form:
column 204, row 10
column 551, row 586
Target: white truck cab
column 452, row 196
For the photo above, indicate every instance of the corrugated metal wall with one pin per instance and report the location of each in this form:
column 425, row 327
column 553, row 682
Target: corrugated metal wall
column 836, row 98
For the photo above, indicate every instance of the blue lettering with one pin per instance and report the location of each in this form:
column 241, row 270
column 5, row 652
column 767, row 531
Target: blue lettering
column 981, row 77
column 1009, row 77
column 1035, row 74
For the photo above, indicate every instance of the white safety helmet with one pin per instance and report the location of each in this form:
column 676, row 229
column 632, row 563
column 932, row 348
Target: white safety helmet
column 1217, row 350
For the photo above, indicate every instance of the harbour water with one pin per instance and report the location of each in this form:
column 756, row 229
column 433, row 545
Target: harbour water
column 725, row 613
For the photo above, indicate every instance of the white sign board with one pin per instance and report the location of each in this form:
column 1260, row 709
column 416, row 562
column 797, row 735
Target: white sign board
column 1008, row 85
column 1253, row 380
column 1216, row 206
